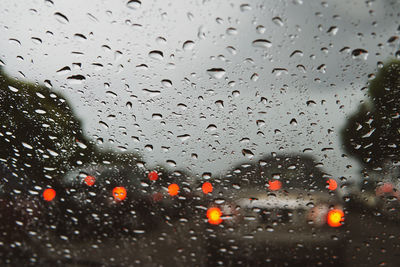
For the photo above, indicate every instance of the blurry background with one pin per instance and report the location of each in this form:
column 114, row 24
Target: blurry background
column 237, row 93
column 204, row 85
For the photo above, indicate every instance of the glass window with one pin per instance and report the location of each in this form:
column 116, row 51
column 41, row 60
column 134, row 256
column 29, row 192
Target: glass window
column 199, row 133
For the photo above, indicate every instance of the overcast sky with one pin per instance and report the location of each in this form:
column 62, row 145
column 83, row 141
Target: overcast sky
column 148, row 85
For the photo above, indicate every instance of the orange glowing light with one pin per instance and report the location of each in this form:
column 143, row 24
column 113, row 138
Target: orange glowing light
column 214, row 215
column 49, row 194
column 173, row 189
column 335, row 217
column 119, row 193
column 90, row 180
column 207, row 188
column 332, row 184
column 153, row 176
column 275, row 185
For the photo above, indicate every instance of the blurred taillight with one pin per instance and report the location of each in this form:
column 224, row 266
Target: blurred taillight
column 153, row 176
column 49, row 194
column 119, row 193
column 332, row 184
column 335, row 218
column 214, row 215
column 173, row 189
column 90, row 180
column 275, row 185
column 207, row 188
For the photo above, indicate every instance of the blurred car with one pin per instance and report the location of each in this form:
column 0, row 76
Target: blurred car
column 118, row 199
column 282, row 205
column 380, row 192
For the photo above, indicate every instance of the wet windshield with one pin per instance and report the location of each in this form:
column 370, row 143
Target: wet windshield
column 203, row 133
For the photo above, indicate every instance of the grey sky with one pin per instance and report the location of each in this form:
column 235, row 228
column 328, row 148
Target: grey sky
column 252, row 114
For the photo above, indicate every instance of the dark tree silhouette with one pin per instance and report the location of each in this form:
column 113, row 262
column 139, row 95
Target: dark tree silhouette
column 372, row 134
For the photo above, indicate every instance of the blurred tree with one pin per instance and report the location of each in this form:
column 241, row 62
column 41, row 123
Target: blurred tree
column 42, row 144
column 372, row 134
column 41, row 139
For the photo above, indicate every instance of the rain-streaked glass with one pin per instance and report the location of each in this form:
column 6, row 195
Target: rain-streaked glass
column 199, row 133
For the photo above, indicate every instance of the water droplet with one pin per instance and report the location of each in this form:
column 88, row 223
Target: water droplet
column 161, row 40
column 260, row 29
column 171, row 163
column 262, row 43
column 166, row 83
column 219, row 103
column 142, row 67
column 359, row 53
column 40, row 95
column 322, row 68
column 333, row 30
column 188, row 45
column 93, row 18
column 190, row 16
column 105, row 125
column 64, row 70
column 156, row 116
column 61, row 18
column 248, row 153
column 151, row 93
column 184, row 137
column 245, row 7
column 48, row 84
column 301, row 68
column 14, row 41
column 296, row 52
column 80, row 37
column 311, row 103
column 97, row 66
column 27, row 145
column 201, row 34
column 269, row 228
column 260, row 123
column 40, row 111
column 254, row 77
column 345, row 49
column 278, row 21
column 182, row 106
column 111, row 94
column 76, row 79
column 13, row 89
column 231, row 31
column 392, row 39
column 156, row 54
column 212, row 127
column 231, row 50
column 216, row 73
column 134, row 4
column 397, row 54
column 36, row 40
column 279, row 71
